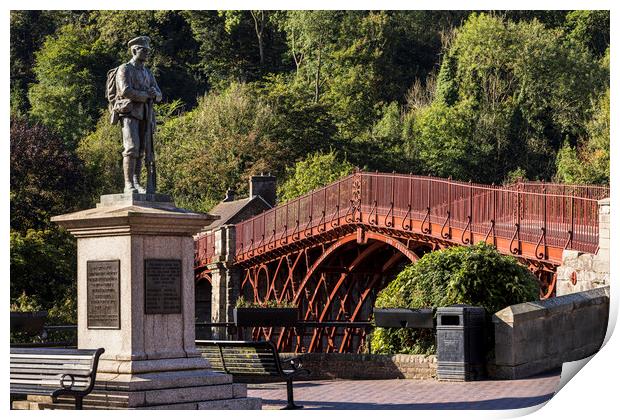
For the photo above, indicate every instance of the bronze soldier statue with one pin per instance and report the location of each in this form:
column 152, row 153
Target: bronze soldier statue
column 132, row 90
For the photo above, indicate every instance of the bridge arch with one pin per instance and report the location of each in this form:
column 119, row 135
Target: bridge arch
column 334, row 282
column 354, row 237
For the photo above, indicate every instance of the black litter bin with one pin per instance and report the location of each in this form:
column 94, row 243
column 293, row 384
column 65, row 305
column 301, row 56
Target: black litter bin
column 460, row 343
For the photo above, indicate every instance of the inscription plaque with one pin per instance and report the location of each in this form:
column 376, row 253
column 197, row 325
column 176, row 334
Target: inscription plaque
column 162, row 290
column 103, row 294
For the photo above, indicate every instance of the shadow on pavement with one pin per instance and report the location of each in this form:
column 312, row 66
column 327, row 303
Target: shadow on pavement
column 495, row 404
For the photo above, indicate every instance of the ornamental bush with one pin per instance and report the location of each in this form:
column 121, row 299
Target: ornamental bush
column 478, row 275
column 273, row 303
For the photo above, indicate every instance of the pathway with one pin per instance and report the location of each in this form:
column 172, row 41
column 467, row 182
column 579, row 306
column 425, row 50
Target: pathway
column 406, row 394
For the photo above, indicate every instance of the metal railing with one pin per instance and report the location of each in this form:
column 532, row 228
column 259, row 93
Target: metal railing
column 595, row 192
column 204, row 248
column 322, row 207
column 537, row 213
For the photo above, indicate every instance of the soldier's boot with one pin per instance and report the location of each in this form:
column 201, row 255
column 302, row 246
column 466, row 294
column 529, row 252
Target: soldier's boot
column 128, row 169
column 136, row 176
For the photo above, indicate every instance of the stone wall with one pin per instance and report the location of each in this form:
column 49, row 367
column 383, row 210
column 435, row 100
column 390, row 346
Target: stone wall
column 582, row 271
column 367, row 366
column 224, row 279
column 535, row 337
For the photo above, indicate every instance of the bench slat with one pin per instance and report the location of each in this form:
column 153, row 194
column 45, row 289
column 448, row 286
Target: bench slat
column 39, row 371
column 249, row 364
column 25, row 390
column 50, row 383
column 51, row 364
column 36, row 373
column 51, row 361
column 53, row 351
column 16, row 379
column 250, row 358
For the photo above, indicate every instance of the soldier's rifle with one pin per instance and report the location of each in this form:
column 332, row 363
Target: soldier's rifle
column 151, row 179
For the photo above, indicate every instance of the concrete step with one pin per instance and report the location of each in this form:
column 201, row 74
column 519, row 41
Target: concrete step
column 243, row 403
column 188, row 397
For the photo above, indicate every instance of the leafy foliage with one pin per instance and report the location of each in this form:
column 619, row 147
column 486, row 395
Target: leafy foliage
column 590, row 28
column 101, row 152
column 589, row 163
column 42, row 266
column 173, row 61
column 47, row 178
column 69, row 93
column 217, row 145
column 476, row 275
column 508, row 94
column 28, row 30
column 243, row 303
column 315, row 171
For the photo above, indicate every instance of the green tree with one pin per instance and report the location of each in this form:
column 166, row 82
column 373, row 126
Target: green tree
column 590, row 28
column 301, row 126
column 522, row 106
column 46, row 178
column 68, row 95
column 28, row 31
column 589, row 162
column 440, row 140
column 478, row 275
column 43, row 267
column 173, row 60
column 226, row 138
column 237, row 46
column 101, row 153
column 316, row 171
column 381, row 146
column 310, row 36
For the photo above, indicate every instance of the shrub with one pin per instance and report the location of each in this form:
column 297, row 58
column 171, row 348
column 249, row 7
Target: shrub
column 243, row 303
column 478, row 275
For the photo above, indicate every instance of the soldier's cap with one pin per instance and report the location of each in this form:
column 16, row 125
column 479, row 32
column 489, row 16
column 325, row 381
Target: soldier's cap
column 143, row 41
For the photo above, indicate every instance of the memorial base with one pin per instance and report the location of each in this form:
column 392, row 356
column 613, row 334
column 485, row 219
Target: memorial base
column 136, row 300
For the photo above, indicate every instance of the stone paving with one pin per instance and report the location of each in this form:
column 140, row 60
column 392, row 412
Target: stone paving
column 410, row 394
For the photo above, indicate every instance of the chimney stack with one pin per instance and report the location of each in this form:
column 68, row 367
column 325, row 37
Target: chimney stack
column 265, row 186
column 230, row 195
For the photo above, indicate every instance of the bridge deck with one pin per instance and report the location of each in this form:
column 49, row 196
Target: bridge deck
column 532, row 220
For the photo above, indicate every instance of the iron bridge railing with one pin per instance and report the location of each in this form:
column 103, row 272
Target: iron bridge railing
column 564, row 216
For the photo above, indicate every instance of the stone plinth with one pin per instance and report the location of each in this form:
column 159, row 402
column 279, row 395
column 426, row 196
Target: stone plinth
column 535, row 337
column 145, row 322
column 581, row 271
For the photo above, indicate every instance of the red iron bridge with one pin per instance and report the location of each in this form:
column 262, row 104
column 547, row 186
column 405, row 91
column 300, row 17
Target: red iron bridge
column 332, row 250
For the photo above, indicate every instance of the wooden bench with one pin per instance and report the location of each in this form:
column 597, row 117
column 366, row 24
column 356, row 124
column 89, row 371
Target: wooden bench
column 54, row 372
column 252, row 358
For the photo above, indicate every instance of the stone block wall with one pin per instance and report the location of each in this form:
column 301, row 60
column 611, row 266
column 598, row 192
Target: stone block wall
column 367, row 366
column 582, row 271
column 225, row 279
column 535, row 337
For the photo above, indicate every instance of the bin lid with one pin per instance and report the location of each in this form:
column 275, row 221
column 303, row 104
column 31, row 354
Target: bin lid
column 460, row 308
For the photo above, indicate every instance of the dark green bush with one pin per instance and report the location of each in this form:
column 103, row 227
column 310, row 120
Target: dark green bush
column 476, row 275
